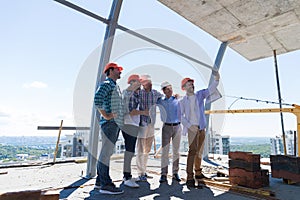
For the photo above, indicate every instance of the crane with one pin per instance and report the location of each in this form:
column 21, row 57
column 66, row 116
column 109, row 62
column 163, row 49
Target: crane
column 295, row 110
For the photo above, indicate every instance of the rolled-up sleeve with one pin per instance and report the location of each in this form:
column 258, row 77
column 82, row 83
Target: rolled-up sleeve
column 101, row 96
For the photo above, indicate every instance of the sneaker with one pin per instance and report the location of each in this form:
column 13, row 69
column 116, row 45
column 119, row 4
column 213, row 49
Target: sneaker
column 190, row 183
column 147, row 176
column 142, row 178
column 176, row 177
column 200, row 176
column 163, row 179
column 110, row 189
column 130, row 183
column 97, row 187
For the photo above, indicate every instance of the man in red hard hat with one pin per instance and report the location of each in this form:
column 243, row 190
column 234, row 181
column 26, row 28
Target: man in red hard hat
column 108, row 101
column 194, row 124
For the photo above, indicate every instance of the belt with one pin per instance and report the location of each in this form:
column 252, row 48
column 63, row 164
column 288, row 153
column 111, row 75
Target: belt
column 172, row 124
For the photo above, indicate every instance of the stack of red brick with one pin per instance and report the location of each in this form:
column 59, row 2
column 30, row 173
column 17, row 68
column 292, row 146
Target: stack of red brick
column 286, row 167
column 244, row 170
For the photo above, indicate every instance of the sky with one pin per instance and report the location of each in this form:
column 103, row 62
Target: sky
column 47, row 50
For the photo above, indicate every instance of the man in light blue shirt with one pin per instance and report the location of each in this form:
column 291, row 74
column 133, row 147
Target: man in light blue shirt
column 194, row 123
column 170, row 115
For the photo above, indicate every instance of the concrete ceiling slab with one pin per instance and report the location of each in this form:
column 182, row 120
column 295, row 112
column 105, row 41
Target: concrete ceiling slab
column 253, row 28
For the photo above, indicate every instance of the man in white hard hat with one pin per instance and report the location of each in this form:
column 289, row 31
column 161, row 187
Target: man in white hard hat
column 170, row 115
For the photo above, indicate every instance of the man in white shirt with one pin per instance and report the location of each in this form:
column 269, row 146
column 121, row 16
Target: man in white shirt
column 194, row 124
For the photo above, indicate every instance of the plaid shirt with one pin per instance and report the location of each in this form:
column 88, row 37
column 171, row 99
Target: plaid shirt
column 108, row 97
column 147, row 101
column 130, row 101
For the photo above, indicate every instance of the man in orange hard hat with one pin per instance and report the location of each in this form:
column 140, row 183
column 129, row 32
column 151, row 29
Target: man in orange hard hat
column 194, row 124
column 131, row 126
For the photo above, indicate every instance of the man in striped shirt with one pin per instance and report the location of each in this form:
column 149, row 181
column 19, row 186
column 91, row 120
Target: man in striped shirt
column 108, row 101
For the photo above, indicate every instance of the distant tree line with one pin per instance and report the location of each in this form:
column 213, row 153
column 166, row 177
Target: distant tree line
column 9, row 152
column 263, row 149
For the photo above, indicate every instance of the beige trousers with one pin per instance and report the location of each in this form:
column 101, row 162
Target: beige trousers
column 143, row 148
column 196, row 144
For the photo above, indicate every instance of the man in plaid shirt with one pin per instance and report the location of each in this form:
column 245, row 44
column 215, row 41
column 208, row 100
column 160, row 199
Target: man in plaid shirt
column 108, row 101
column 148, row 98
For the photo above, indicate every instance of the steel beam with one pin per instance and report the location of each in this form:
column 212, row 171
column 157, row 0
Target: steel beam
column 138, row 35
column 104, row 59
column 66, row 128
column 216, row 67
column 82, row 10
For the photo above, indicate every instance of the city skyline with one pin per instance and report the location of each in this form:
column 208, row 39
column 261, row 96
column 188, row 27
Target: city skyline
column 44, row 46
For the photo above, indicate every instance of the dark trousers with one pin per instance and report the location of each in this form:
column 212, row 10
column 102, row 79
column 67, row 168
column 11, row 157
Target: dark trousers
column 130, row 133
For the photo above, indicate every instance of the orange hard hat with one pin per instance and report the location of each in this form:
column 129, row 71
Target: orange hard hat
column 112, row 65
column 133, row 77
column 184, row 81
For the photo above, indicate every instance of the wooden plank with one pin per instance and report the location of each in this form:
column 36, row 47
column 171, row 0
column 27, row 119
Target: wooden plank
column 24, row 195
column 260, row 193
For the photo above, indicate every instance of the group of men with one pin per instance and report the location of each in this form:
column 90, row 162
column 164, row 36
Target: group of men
column 133, row 111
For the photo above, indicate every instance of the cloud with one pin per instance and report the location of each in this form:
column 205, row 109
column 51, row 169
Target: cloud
column 3, row 114
column 35, row 84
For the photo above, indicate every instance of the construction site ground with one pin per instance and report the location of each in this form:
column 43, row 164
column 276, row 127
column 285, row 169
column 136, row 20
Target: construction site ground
column 68, row 178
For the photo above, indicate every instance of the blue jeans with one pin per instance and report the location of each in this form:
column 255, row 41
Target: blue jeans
column 110, row 133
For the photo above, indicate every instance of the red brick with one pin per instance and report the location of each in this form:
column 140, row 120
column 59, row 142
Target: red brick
column 246, row 156
column 249, row 179
column 265, row 177
column 249, row 166
column 286, row 175
column 285, row 163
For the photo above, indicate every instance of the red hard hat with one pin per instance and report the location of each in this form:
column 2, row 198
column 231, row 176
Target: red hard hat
column 184, row 81
column 112, row 65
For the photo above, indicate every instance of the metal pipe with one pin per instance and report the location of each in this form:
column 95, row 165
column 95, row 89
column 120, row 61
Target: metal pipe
column 107, row 21
column 280, row 104
column 82, row 10
column 216, row 67
column 138, row 35
column 104, row 59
